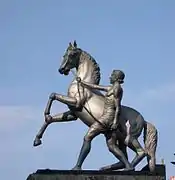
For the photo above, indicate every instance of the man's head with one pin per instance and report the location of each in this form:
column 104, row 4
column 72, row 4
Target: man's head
column 117, row 75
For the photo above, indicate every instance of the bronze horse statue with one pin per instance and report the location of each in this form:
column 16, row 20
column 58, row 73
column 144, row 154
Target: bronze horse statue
column 87, row 105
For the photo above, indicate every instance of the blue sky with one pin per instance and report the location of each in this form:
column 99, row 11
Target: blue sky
column 135, row 36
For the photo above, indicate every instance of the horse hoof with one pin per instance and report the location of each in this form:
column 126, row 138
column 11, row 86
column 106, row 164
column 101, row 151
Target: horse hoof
column 37, row 142
column 76, row 169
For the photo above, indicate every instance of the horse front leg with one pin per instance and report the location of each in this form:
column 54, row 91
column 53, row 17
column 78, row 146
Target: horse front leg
column 67, row 116
column 63, row 99
column 62, row 117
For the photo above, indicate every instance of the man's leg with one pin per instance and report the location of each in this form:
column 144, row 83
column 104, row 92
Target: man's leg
column 111, row 143
column 94, row 130
column 118, row 165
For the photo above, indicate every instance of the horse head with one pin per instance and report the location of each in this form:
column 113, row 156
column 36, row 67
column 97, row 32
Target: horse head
column 70, row 59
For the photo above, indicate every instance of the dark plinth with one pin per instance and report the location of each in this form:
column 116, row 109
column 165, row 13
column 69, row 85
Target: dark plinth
column 98, row 175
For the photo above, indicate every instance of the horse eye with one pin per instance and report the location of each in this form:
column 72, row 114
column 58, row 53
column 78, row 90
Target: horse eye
column 73, row 54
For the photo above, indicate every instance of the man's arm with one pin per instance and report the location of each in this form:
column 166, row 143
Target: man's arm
column 118, row 93
column 93, row 86
column 117, row 111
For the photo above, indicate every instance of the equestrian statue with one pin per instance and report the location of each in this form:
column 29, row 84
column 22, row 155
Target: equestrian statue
column 102, row 113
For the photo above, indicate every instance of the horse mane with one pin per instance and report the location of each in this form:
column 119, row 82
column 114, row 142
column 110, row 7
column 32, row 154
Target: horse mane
column 96, row 72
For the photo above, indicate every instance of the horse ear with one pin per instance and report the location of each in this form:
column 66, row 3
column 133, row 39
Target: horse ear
column 70, row 45
column 75, row 44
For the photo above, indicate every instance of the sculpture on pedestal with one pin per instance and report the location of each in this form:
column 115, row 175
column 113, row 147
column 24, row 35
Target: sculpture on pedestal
column 88, row 105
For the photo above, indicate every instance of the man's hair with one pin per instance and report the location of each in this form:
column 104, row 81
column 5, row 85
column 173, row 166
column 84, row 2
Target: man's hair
column 120, row 75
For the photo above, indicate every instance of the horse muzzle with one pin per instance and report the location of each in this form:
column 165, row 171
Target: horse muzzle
column 63, row 71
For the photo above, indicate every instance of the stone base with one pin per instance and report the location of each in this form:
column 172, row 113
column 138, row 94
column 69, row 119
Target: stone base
column 98, row 175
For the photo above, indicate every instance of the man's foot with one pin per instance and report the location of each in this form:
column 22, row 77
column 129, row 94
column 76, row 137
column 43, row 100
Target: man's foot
column 129, row 169
column 116, row 166
column 105, row 168
column 37, row 142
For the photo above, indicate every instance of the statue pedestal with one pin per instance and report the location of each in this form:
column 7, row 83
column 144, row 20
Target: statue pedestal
column 98, row 175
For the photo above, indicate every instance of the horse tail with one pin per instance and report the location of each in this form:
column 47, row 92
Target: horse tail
column 150, row 141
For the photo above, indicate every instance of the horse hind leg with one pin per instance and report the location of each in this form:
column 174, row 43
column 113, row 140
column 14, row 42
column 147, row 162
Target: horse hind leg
column 134, row 130
column 62, row 117
column 138, row 149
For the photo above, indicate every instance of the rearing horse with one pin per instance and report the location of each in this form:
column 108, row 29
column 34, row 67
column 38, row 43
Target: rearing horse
column 87, row 105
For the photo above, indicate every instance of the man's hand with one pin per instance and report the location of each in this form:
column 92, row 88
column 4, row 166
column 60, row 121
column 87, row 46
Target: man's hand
column 78, row 79
column 114, row 126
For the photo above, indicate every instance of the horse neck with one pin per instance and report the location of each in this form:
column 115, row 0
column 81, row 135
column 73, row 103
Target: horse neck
column 88, row 71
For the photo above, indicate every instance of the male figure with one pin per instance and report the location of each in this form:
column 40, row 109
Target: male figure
column 110, row 118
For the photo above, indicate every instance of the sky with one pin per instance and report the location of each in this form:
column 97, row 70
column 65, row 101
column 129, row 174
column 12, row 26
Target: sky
column 135, row 36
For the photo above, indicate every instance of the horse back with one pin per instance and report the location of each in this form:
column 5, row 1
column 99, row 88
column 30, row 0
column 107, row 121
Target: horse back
column 134, row 118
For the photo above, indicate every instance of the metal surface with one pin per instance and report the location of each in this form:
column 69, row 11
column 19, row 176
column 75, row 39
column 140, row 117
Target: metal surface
column 88, row 104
